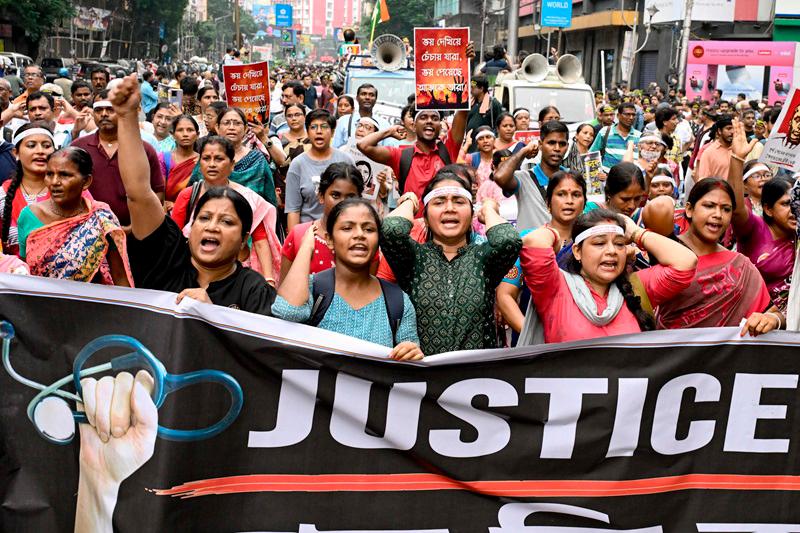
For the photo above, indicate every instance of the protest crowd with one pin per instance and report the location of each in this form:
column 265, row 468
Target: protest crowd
column 467, row 239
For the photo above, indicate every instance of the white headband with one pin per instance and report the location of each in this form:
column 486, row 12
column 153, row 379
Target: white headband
column 520, row 111
column 426, row 111
column 756, row 168
column 447, row 191
column 485, row 133
column 598, row 230
column 101, row 103
column 663, row 179
column 33, row 131
column 371, row 121
column 652, row 139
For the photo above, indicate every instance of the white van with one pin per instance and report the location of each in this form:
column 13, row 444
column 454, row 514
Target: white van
column 20, row 61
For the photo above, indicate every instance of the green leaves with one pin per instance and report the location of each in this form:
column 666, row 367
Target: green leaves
column 36, row 17
column 405, row 15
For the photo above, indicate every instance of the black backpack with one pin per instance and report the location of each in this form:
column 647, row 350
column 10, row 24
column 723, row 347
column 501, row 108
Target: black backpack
column 325, row 288
column 408, row 154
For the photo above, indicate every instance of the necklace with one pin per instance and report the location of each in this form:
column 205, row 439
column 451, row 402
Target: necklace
column 59, row 212
column 28, row 194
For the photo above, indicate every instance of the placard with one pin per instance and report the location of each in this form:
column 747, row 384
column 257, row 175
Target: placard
column 783, row 146
column 526, row 136
column 247, row 87
column 369, row 170
column 441, row 68
column 592, row 167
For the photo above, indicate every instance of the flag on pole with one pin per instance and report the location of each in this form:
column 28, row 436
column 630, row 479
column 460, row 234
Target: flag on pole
column 382, row 10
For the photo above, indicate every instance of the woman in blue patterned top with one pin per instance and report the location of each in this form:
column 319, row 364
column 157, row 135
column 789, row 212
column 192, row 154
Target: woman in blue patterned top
column 361, row 306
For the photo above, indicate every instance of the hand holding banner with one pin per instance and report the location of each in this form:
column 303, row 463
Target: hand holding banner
column 441, row 68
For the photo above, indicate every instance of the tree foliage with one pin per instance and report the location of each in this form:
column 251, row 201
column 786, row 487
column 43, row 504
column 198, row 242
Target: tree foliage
column 208, row 31
column 35, row 17
column 152, row 13
column 404, row 16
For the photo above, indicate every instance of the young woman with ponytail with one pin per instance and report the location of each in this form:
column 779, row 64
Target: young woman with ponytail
column 594, row 297
column 33, row 144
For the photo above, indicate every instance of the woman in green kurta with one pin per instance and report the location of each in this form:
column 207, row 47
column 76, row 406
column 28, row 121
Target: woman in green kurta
column 451, row 280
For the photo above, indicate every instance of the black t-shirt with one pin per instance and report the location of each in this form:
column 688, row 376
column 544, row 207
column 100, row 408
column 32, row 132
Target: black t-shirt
column 162, row 261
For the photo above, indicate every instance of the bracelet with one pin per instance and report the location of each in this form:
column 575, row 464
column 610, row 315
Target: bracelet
column 736, row 157
column 640, row 240
column 776, row 315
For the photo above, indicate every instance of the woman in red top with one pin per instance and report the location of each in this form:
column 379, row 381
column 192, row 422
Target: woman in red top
column 338, row 182
column 33, row 144
column 594, row 297
column 727, row 287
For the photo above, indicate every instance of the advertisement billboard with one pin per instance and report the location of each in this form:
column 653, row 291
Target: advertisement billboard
column 557, row 13
column 703, row 10
column 731, row 67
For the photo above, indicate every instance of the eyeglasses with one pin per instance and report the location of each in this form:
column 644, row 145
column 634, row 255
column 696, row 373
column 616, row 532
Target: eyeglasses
column 31, row 75
column 295, row 115
column 628, row 114
column 320, row 127
column 235, row 123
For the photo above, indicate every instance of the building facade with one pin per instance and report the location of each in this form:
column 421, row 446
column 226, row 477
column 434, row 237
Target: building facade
column 604, row 34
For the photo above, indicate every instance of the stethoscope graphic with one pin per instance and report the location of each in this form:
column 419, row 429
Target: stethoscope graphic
column 55, row 420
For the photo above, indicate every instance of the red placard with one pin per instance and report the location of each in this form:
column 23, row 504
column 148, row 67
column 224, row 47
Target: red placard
column 442, row 68
column 247, row 87
column 526, row 136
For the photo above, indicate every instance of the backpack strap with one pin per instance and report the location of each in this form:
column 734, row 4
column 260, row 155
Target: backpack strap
column 604, row 144
column 444, row 155
column 325, row 288
column 406, row 155
column 475, row 159
column 393, row 298
column 167, row 163
column 539, row 187
column 193, row 199
column 323, row 291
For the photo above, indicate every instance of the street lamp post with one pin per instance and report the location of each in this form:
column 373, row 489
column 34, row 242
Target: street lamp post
column 687, row 28
column 651, row 12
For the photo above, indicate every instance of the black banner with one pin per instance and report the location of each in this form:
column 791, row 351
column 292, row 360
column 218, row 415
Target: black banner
column 680, row 431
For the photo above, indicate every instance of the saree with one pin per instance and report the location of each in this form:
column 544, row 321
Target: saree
column 725, row 289
column 176, row 176
column 252, row 171
column 76, row 248
column 264, row 214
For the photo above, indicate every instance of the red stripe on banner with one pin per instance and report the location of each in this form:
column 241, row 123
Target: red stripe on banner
column 519, row 488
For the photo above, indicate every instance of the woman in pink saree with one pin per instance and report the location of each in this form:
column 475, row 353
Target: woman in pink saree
column 216, row 164
column 71, row 236
column 726, row 287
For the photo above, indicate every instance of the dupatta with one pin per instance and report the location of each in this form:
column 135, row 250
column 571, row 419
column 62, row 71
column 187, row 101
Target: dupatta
column 265, row 214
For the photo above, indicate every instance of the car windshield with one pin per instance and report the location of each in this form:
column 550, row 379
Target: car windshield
column 390, row 89
column 51, row 62
column 575, row 105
